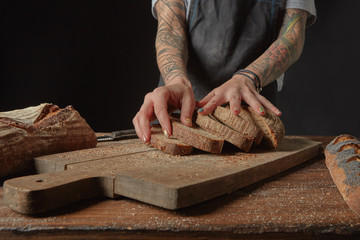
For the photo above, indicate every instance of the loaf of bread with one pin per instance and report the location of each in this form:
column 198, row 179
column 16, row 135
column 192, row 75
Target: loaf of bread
column 211, row 124
column 245, row 127
column 40, row 130
column 196, row 137
column 343, row 161
column 169, row 145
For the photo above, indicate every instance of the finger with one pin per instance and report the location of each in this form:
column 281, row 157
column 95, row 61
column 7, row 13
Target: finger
column 160, row 109
column 267, row 104
column 235, row 103
column 135, row 122
column 148, row 107
column 211, row 105
column 205, row 100
column 144, row 125
column 143, row 118
column 253, row 102
column 187, row 110
column 142, row 128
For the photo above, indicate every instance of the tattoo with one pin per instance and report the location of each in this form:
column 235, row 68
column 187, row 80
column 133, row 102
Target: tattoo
column 285, row 50
column 171, row 41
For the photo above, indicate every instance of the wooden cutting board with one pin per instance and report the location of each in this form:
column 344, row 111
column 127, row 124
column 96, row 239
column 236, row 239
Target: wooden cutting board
column 131, row 169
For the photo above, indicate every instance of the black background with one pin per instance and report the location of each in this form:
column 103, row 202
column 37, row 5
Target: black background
column 99, row 56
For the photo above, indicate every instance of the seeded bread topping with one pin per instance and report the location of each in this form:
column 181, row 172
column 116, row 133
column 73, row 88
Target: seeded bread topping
column 343, row 161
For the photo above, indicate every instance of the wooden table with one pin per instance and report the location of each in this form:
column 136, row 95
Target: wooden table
column 302, row 202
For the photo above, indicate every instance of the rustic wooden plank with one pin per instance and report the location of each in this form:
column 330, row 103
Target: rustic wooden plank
column 254, row 209
column 155, row 235
column 201, row 177
column 58, row 162
column 301, row 202
column 42, row 192
column 155, row 177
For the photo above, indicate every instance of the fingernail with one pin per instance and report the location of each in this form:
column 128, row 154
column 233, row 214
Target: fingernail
column 236, row 110
column 166, row 133
column 261, row 109
column 201, row 110
column 188, row 120
column 145, row 141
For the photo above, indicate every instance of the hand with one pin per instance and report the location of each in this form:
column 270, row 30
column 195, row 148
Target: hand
column 157, row 104
column 235, row 90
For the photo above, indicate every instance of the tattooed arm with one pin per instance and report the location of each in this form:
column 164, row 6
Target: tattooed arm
column 171, row 41
column 281, row 54
column 171, row 55
column 285, row 50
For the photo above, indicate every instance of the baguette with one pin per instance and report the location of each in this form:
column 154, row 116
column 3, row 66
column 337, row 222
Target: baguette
column 209, row 123
column 196, row 137
column 342, row 158
column 169, row 145
column 239, row 124
column 40, row 130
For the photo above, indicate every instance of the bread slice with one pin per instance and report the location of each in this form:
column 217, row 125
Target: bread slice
column 239, row 124
column 342, row 160
column 209, row 123
column 169, row 145
column 269, row 123
column 196, row 137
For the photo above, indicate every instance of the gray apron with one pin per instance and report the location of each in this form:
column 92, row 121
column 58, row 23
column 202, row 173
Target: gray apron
column 227, row 35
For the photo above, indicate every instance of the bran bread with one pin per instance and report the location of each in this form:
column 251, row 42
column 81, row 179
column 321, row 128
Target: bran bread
column 209, row 123
column 169, row 145
column 245, row 127
column 196, row 137
column 269, row 124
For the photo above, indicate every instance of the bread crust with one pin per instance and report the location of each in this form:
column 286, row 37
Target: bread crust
column 196, row 137
column 212, row 125
column 246, row 128
column 271, row 125
column 169, row 145
column 40, row 130
column 342, row 158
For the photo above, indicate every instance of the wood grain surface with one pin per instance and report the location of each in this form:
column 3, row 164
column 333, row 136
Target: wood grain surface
column 131, row 169
column 300, row 203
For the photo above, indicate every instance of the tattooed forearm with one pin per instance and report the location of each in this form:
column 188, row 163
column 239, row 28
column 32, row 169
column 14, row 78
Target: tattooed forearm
column 171, row 41
column 285, row 50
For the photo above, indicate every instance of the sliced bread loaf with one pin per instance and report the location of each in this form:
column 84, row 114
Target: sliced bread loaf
column 169, row 145
column 196, row 137
column 209, row 123
column 269, row 123
column 239, row 124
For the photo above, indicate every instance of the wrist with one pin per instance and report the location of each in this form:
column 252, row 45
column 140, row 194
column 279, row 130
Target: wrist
column 180, row 80
column 250, row 75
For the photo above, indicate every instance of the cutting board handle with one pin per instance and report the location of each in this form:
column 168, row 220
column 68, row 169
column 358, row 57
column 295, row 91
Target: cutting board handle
column 42, row 192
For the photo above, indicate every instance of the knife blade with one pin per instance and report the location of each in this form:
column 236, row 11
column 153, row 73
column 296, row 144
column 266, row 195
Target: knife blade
column 118, row 135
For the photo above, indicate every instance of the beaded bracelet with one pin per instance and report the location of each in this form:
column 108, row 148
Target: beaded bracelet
column 256, row 82
column 243, row 74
